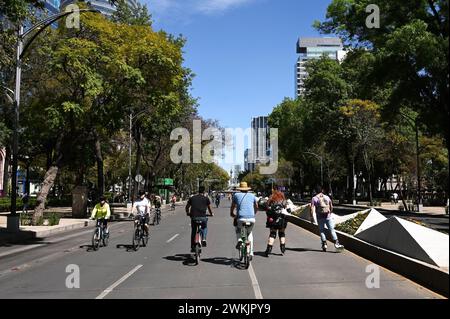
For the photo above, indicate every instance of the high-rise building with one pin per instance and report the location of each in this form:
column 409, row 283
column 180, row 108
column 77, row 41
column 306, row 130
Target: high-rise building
column 314, row 48
column 52, row 6
column 260, row 144
column 104, row 6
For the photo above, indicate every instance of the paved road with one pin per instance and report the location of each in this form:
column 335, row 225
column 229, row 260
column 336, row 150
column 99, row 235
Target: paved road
column 163, row 270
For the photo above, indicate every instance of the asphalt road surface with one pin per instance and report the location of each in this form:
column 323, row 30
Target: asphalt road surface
column 164, row 269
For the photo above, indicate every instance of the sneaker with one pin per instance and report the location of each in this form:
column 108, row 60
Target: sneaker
column 339, row 246
column 324, row 246
column 238, row 245
column 203, row 243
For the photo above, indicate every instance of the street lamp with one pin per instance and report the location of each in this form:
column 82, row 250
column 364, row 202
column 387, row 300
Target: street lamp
column 321, row 165
column 22, row 45
column 132, row 119
column 414, row 124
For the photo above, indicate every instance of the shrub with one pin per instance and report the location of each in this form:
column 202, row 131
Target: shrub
column 351, row 226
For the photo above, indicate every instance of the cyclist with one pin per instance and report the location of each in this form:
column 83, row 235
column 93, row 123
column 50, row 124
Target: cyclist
column 196, row 208
column 102, row 213
column 246, row 208
column 173, row 201
column 156, row 201
column 217, row 200
column 276, row 221
column 142, row 207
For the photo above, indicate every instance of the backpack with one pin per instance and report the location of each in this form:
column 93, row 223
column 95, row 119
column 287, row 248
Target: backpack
column 274, row 216
column 324, row 205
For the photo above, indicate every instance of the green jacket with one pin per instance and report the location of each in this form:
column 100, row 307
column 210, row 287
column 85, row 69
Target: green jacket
column 101, row 211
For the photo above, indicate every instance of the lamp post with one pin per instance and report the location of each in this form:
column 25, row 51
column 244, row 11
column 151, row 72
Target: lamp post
column 321, row 165
column 413, row 122
column 23, row 43
column 132, row 119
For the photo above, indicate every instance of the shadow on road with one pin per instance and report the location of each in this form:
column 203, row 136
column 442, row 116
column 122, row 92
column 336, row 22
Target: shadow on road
column 263, row 254
column 187, row 259
column 89, row 247
column 128, row 247
column 301, row 250
column 219, row 261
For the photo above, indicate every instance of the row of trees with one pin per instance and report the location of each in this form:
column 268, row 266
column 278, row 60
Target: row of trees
column 364, row 114
column 80, row 89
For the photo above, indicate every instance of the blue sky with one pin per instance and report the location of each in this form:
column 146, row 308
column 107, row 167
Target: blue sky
column 242, row 51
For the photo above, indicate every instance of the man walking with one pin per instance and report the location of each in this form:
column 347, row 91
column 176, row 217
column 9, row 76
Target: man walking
column 322, row 206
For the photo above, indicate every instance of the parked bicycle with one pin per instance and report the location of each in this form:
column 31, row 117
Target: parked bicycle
column 100, row 234
column 140, row 234
column 244, row 251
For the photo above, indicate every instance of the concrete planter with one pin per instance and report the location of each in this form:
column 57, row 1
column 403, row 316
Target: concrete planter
column 424, row 274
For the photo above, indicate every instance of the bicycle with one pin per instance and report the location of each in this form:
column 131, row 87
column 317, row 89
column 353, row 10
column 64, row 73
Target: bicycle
column 157, row 218
column 172, row 206
column 244, row 249
column 198, row 240
column 100, row 235
column 139, row 233
column 217, row 203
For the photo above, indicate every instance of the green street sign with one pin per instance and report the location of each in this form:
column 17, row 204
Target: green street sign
column 165, row 181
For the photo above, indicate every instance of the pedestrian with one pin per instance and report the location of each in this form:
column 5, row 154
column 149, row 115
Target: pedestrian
column 322, row 206
column 25, row 201
column 395, row 196
column 246, row 208
column 276, row 220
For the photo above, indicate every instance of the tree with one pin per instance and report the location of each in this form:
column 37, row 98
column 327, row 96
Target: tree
column 411, row 48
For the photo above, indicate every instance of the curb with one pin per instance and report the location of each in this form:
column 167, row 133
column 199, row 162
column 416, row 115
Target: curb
column 429, row 276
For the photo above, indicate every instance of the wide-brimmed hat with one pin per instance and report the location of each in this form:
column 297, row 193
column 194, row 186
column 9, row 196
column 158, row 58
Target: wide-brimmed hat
column 243, row 187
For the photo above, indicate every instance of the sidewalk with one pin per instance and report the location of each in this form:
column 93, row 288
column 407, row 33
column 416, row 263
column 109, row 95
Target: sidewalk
column 427, row 210
column 65, row 224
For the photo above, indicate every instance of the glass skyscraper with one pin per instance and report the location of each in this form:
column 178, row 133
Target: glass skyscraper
column 314, row 48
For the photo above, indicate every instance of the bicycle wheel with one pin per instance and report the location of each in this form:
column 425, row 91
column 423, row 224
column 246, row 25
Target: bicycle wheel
column 95, row 239
column 136, row 238
column 247, row 256
column 197, row 253
column 144, row 238
column 158, row 218
column 105, row 238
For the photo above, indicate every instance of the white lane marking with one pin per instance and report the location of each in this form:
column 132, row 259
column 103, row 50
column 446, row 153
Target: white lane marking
column 173, row 237
column 255, row 283
column 118, row 282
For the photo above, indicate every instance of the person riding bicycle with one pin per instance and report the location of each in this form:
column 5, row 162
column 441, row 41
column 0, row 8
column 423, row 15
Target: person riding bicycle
column 102, row 213
column 217, row 199
column 246, row 207
column 196, row 208
column 142, row 207
column 157, row 201
column 173, row 200
column 276, row 220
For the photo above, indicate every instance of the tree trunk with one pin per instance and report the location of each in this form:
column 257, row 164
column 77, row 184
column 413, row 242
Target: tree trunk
column 49, row 181
column 6, row 171
column 99, row 159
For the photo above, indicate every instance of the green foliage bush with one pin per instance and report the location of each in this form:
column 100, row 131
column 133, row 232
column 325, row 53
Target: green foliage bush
column 351, row 226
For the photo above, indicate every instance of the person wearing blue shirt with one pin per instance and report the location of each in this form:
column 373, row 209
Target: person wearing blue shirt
column 246, row 206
